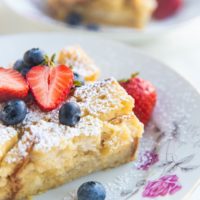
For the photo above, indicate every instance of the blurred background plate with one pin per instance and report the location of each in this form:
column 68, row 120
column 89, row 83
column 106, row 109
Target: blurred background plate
column 36, row 11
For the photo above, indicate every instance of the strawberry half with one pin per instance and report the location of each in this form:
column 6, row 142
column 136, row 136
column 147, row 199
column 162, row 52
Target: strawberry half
column 12, row 85
column 145, row 96
column 50, row 85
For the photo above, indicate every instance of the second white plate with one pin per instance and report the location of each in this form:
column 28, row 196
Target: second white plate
column 34, row 10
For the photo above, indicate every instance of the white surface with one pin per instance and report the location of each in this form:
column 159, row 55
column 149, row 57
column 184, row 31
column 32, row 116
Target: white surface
column 180, row 49
column 35, row 11
column 175, row 94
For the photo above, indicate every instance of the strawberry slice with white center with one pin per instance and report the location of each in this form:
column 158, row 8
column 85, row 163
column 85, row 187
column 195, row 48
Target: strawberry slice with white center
column 12, row 85
column 50, row 85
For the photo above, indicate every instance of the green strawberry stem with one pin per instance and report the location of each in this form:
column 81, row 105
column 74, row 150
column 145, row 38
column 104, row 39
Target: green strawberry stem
column 134, row 75
column 77, row 83
column 49, row 61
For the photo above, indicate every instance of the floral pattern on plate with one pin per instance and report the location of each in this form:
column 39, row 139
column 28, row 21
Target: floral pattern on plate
column 165, row 185
column 147, row 160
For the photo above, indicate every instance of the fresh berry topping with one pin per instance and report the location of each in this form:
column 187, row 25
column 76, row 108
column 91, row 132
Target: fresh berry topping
column 21, row 67
column 78, row 80
column 74, row 19
column 92, row 27
column 50, row 85
column 167, row 8
column 12, row 85
column 34, row 57
column 145, row 97
column 69, row 114
column 91, row 191
column 13, row 112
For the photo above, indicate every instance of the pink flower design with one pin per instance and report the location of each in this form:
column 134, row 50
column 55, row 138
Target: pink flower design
column 146, row 160
column 165, row 185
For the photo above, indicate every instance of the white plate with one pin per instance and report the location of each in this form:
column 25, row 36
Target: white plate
column 33, row 9
column 173, row 134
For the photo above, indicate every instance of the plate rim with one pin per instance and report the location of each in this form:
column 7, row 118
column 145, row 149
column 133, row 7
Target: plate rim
column 94, row 36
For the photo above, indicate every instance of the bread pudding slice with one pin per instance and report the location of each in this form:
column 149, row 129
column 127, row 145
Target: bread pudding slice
column 80, row 62
column 134, row 13
column 48, row 154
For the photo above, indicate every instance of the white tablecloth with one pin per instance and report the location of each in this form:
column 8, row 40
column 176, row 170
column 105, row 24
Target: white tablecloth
column 179, row 49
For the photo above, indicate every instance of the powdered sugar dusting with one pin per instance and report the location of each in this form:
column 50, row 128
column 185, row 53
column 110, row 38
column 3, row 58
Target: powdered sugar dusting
column 45, row 135
column 101, row 98
column 50, row 134
column 6, row 134
column 20, row 151
column 35, row 115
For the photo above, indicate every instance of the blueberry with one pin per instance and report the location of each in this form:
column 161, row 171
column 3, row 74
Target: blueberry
column 13, row 112
column 93, row 27
column 21, row 67
column 74, row 19
column 69, row 114
column 78, row 80
column 34, row 57
column 91, row 191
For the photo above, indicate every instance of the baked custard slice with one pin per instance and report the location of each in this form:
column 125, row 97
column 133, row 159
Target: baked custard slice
column 131, row 13
column 48, row 154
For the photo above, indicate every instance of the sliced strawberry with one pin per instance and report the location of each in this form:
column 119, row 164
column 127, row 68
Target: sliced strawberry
column 50, row 85
column 12, row 85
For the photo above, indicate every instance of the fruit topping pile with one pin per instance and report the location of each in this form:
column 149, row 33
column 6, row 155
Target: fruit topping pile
column 144, row 94
column 49, row 85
